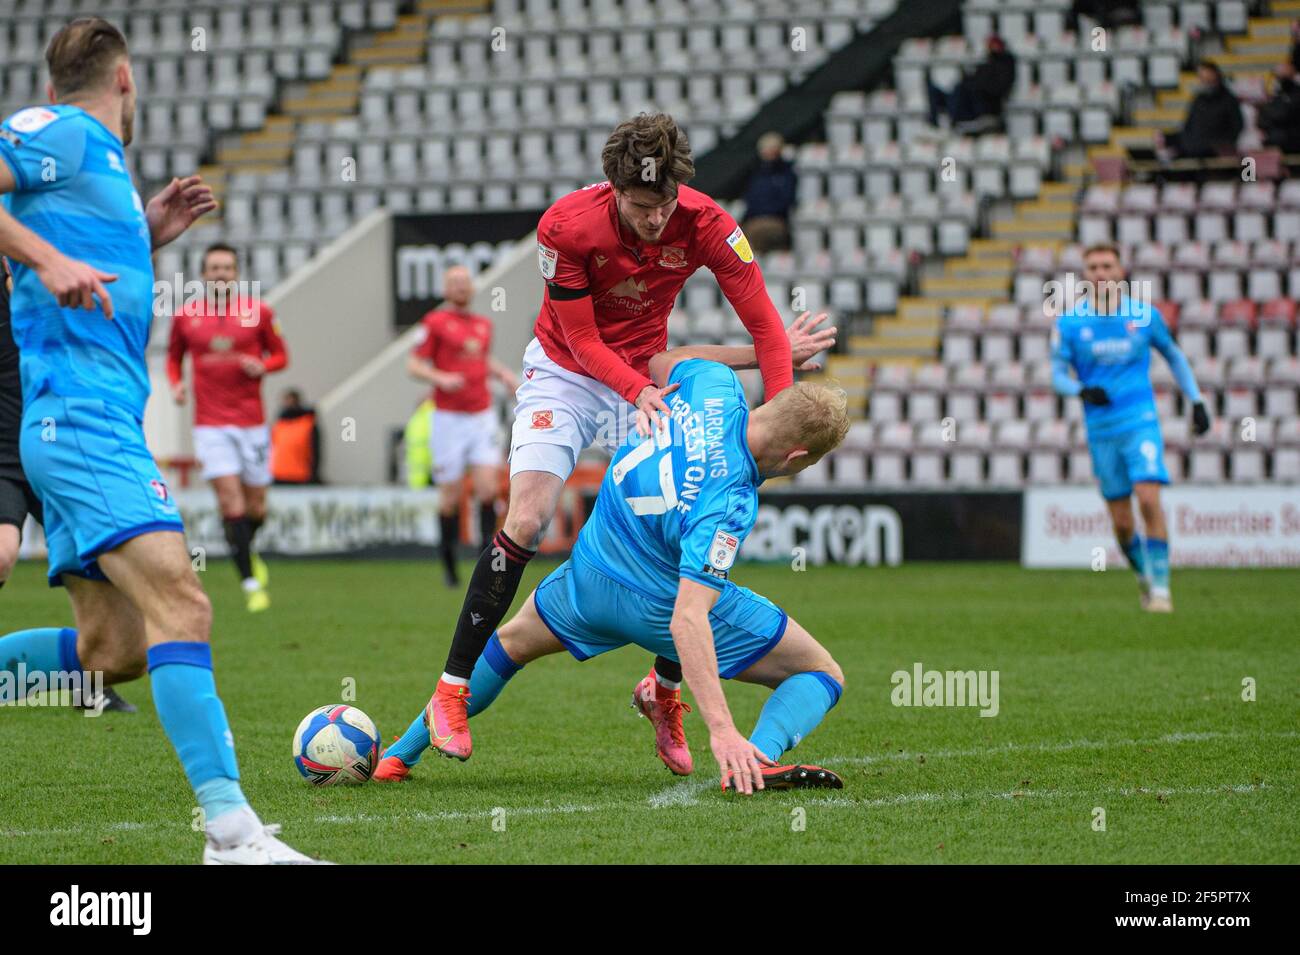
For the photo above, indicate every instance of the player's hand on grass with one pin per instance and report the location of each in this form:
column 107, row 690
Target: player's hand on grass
column 175, row 208
column 1200, row 419
column 1094, row 396
column 75, row 284
column 740, row 760
column 807, row 340
column 253, row 367
column 178, row 392
column 649, row 405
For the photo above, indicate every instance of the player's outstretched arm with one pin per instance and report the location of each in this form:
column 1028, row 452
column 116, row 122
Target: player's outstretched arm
column 806, row 337
column 424, row 370
column 176, row 348
column 73, row 284
column 174, row 209
column 740, row 762
column 1062, row 380
column 1182, row 371
column 503, row 374
column 576, row 316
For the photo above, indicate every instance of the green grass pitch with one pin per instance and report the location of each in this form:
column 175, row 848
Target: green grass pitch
column 1101, row 707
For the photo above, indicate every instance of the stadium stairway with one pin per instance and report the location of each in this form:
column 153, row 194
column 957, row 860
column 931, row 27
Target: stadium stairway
column 1247, row 60
column 335, row 97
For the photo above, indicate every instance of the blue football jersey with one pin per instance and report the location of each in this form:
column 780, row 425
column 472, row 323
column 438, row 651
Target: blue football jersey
column 74, row 191
column 1114, row 352
column 679, row 503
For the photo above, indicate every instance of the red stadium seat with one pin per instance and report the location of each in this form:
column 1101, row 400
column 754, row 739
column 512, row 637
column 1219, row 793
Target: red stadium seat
column 1238, row 312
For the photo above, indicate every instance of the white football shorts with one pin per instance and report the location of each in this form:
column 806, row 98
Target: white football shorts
column 559, row 414
column 460, row 440
column 223, row 450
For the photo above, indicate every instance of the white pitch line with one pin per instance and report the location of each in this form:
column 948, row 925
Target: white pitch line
column 1064, row 747
column 686, row 792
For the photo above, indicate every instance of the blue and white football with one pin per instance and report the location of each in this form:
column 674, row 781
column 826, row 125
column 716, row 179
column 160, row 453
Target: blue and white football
column 336, row 744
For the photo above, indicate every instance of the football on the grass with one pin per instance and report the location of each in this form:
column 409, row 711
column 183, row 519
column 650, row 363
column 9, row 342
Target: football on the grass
column 336, row 744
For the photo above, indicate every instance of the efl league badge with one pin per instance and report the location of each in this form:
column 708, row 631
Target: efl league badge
column 543, row 420
column 159, row 488
column 473, row 346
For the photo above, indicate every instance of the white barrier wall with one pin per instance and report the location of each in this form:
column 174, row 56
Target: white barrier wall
column 1228, row 526
column 334, row 312
column 337, row 314
column 358, row 416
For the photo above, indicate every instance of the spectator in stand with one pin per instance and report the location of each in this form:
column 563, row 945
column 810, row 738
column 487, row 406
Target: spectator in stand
column 1107, row 14
column 770, row 196
column 295, row 442
column 1295, row 44
column 1213, row 121
column 1279, row 118
column 976, row 103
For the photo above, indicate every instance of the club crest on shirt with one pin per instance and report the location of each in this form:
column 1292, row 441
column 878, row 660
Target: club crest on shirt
column 546, row 260
column 672, row 257
column 740, row 245
column 543, row 420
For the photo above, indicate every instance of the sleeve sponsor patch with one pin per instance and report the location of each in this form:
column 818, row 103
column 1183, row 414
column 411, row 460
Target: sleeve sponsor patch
column 722, row 552
column 30, row 120
column 547, row 258
column 740, row 245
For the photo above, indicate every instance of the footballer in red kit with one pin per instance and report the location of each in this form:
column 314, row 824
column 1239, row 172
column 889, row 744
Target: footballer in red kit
column 233, row 341
column 454, row 354
column 614, row 257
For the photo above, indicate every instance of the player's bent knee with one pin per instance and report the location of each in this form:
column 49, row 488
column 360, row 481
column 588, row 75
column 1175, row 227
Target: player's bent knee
column 526, row 529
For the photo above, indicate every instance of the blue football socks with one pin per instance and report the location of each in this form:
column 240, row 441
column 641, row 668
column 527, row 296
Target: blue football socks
column 793, row 711
column 48, row 651
column 1135, row 551
column 492, row 672
column 1158, row 561
column 185, row 695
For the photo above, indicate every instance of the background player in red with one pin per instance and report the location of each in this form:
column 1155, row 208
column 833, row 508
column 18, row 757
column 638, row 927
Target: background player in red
column 455, row 356
column 233, row 341
column 615, row 256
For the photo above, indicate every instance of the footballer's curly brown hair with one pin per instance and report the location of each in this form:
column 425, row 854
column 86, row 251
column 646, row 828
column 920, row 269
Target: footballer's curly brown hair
column 83, row 55
column 648, row 151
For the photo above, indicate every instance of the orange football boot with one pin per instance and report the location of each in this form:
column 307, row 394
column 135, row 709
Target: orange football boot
column 664, row 708
column 447, row 718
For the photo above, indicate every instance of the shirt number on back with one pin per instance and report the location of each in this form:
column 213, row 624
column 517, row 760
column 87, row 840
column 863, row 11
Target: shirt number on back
column 651, row 504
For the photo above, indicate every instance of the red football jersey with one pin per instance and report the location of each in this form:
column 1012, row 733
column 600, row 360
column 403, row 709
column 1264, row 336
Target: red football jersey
column 459, row 342
column 223, row 393
column 633, row 285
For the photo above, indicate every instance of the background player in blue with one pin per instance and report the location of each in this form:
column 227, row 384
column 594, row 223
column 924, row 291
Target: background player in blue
column 651, row 566
column 74, row 224
column 1107, row 340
